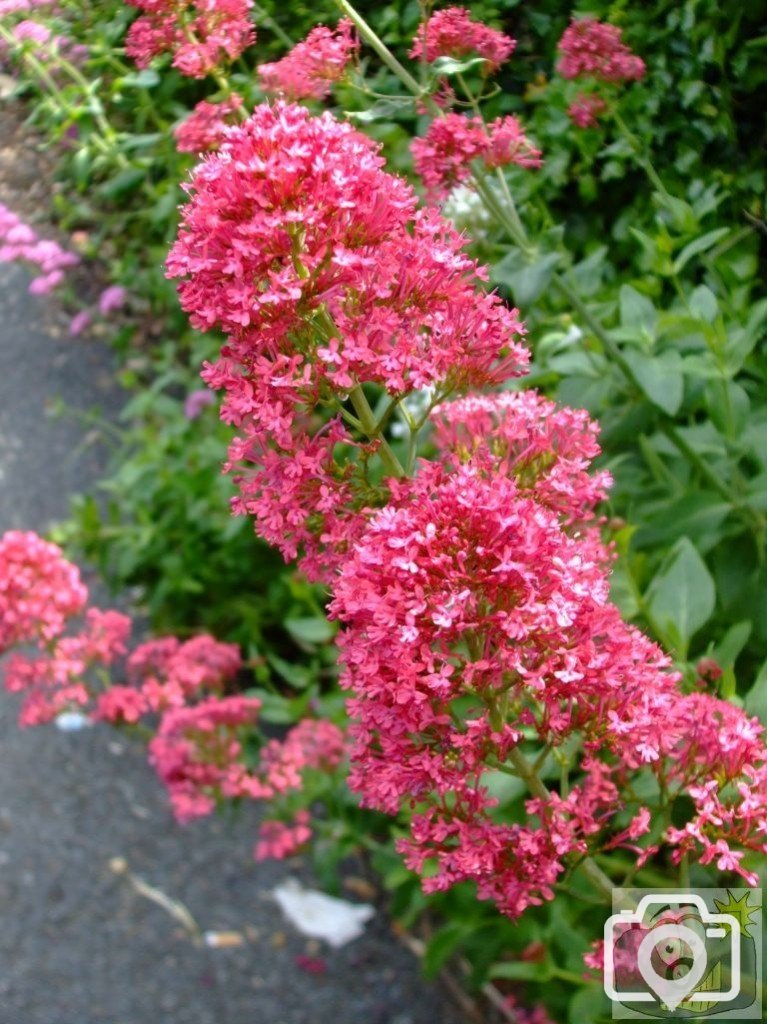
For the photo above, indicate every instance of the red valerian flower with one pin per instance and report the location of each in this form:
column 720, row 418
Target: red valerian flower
column 203, row 130
column 39, row 589
column 453, row 33
column 202, row 35
column 314, row 65
column 442, row 158
column 586, row 109
column 594, row 49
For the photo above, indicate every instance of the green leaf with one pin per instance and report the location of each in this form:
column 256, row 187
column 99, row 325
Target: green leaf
column 520, row 970
column 756, row 698
column 588, row 1006
column 698, row 245
column 637, row 311
column 660, row 377
column 731, row 644
column 451, row 66
column 441, row 947
column 703, row 304
column 123, row 183
column 315, row 630
column 681, row 597
column 526, row 280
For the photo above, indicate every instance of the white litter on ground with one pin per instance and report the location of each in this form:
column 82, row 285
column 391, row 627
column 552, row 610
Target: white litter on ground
column 72, row 721
column 319, row 916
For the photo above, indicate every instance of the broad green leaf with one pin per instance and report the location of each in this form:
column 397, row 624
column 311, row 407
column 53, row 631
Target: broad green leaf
column 698, row 245
column 703, row 304
column 681, row 597
column 526, row 280
column 589, row 1006
column 637, row 311
column 442, row 945
column 315, row 630
column 660, row 377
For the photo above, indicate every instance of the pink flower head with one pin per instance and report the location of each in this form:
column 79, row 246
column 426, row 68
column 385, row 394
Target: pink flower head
column 314, row 65
column 120, row 704
column 112, row 299
column 39, row 589
column 309, row 256
column 443, row 156
column 196, row 401
column 510, row 145
column 278, row 840
column 80, row 321
column 453, row 33
column 594, row 49
column 197, row 749
column 546, row 449
column 171, row 673
column 204, row 129
column 202, row 35
column 31, row 30
column 586, row 109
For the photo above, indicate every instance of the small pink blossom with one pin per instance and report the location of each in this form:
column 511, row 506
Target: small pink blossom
column 453, row 33
column 594, row 49
column 314, row 65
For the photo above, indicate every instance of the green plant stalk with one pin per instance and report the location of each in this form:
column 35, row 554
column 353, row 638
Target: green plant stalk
column 380, row 47
column 535, row 784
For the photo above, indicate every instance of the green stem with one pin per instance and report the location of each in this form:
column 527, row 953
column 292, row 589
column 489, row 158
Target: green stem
column 271, row 24
column 380, row 47
column 535, row 784
column 373, row 430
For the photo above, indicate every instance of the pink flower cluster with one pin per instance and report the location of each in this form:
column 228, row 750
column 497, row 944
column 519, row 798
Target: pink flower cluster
column 198, row 748
column 586, row 109
column 202, row 35
column 314, row 65
column 39, row 590
column 203, row 130
column 443, row 157
column 453, row 33
column 475, row 616
column 312, row 260
column 20, row 243
column 594, row 49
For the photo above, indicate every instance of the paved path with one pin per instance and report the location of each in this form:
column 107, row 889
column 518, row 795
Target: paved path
column 77, row 944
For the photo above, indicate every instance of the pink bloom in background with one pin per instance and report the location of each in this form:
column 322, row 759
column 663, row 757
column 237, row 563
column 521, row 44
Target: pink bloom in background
column 170, row 673
column 453, row 33
column 31, row 30
column 278, row 840
column 39, row 589
column 314, row 65
column 19, row 243
column 112, row 299
column 510, row 145
column 197, row 749
column 22, row 6
column 79, row 322
column 204, row 128
column 594, row 49
column 202, row 35
column 442, row 158
column 196, row 401
column 585, row 110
